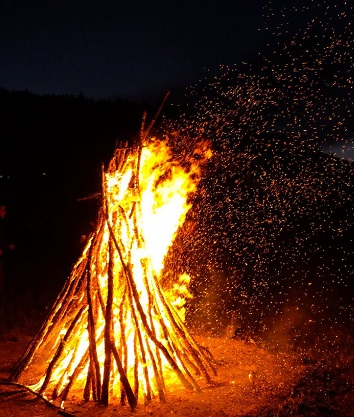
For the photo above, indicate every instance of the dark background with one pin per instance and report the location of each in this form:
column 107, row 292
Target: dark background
column 271, row 231
column 270, row 234
column 118, row 48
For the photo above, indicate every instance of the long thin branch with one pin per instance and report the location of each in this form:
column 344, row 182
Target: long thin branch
column 147, row 131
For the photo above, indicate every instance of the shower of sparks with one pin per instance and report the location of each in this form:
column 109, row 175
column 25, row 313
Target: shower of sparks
column 271, row 235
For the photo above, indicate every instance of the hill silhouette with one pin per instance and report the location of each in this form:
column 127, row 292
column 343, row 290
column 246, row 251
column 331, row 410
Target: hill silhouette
column 53, row 148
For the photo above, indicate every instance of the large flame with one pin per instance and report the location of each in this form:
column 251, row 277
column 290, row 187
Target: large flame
column 113, row 333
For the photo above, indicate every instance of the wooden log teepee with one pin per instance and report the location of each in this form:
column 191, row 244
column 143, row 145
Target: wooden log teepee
column 112, row 334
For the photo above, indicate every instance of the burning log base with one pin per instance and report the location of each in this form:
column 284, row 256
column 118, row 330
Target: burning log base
column 113, row 334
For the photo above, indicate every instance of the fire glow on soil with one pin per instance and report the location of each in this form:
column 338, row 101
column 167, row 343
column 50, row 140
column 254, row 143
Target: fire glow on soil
column 250, row 379
column 114, row 335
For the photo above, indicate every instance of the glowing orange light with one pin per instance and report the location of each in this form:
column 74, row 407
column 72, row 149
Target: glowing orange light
column 113, row 333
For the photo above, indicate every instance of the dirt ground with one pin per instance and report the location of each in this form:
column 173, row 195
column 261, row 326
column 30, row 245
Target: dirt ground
column 252, row 381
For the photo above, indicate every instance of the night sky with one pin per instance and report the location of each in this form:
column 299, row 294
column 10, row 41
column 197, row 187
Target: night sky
column 131, row 49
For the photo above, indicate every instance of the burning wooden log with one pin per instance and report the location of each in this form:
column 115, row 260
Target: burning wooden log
column 113, row 334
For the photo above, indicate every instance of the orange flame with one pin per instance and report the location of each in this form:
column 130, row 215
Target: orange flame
column 112, row 329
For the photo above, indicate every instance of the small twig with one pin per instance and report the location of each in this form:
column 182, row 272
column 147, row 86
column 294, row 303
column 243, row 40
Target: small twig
column 90, row 197
column 48, row 403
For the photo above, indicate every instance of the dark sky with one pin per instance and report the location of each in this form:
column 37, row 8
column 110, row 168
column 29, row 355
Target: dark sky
column 123, row 48
column 140, row 49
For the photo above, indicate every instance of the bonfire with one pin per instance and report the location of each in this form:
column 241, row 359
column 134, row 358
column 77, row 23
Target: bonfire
column 115, row 334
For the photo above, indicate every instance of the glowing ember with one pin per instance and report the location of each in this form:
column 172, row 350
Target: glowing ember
column 113, row 333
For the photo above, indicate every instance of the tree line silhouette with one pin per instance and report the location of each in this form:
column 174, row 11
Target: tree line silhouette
column 53, row 148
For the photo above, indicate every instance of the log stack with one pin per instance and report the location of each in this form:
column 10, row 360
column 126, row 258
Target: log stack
column 112, row 334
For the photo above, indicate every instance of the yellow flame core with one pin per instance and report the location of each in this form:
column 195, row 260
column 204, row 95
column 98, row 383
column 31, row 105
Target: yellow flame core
column 163, row 202
column 112, row 319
